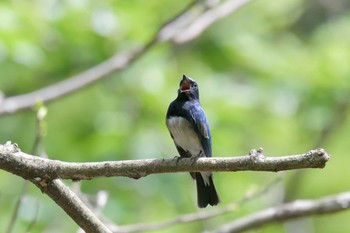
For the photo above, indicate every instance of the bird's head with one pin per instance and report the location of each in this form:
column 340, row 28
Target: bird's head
column 188, row 88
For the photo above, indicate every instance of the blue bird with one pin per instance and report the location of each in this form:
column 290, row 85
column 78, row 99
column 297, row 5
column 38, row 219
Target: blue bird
column 189, row 128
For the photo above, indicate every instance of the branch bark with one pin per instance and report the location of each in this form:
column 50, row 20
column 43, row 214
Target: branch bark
column 71, row 204
column 45, row 173
column 287, row 211
column 31, row 167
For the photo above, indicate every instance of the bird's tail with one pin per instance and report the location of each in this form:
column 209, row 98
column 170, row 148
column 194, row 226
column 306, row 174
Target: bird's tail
column 206, row 192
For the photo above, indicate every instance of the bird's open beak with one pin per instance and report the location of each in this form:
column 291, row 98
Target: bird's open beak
column 185, row 84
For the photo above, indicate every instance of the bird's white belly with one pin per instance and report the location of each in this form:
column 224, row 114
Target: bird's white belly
column 184, row 135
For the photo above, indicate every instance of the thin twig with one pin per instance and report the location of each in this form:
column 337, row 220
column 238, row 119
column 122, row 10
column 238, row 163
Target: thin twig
column 32, row 167
column 37, row 146
column 18, row 204
column 35, row 217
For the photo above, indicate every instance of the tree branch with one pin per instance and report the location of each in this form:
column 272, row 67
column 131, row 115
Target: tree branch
column 287, row 211
column 167, row 32
column 44, row 173
column 116, row 63
column 205, row 20
column 30, row 167
column 46, row 178
column 71, row 204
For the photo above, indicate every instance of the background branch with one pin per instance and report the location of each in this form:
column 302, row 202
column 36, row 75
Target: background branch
column 287, row 211
column 198, row 216
column 29, row 167
column 207, row 18
column 123, row 60
column 74, row 83
column 16, row 208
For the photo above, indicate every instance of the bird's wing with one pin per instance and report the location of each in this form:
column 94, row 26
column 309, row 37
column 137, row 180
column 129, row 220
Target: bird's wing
column 201, row 127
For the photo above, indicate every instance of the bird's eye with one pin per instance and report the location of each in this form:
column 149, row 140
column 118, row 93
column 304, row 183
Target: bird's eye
column 194, row 85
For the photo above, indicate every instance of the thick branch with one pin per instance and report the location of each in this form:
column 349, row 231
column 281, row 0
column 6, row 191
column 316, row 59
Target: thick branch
column 287, row 211
column 29, row 167
column 71, row 204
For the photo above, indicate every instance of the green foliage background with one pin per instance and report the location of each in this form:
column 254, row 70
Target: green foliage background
column 274, row 74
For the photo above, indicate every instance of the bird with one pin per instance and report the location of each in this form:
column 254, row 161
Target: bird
column 189, row 129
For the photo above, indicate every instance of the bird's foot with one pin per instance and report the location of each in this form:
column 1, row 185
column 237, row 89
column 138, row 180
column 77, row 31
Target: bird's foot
column 177, row 158
column 199, row 154
column 195, row 158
